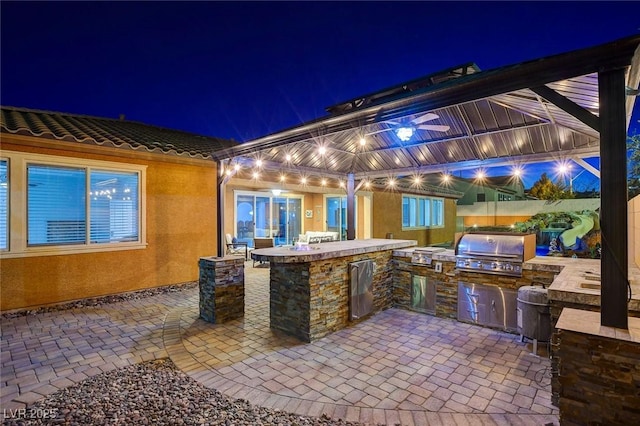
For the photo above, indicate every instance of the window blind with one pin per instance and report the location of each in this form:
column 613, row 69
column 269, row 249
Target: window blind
column 114, row 206
column 56, row 205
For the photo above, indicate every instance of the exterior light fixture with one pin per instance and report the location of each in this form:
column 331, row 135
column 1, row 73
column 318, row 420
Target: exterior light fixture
column 363, row 141
column 303, row 180
column 288, row 157
column 282, row 178
column 322, row 150
column 404, row 133
column 236, row 167
column 256, row 175
column 259, row 163
column 323, row 182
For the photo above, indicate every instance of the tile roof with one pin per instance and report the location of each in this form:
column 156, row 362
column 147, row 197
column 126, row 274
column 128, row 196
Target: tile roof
column 108, row 132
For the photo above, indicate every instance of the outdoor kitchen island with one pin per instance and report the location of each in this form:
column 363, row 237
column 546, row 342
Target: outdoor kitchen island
column 321, row 288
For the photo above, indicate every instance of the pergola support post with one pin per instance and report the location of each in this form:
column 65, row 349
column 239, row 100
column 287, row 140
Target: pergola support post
column 351, row 217
column 220, row 210
column 613, row 190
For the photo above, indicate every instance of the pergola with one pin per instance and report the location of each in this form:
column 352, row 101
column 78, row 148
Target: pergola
column 568, row 106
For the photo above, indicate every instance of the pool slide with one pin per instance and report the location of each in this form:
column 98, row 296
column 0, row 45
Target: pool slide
column 571, row 236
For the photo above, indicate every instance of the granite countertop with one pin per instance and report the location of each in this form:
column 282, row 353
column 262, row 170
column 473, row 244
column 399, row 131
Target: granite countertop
column 588, row 322
column 321, row 251
column 578, row 283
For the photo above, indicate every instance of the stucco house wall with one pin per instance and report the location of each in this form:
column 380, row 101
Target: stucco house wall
column 387, row 218
column 180, row 228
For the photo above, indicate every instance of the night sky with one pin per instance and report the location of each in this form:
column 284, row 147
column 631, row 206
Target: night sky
column 242, row 70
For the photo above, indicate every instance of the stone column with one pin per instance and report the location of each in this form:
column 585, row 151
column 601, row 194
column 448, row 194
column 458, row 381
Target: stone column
column 221, row 288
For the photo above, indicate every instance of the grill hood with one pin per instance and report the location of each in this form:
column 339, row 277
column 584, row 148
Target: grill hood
column 496, row 253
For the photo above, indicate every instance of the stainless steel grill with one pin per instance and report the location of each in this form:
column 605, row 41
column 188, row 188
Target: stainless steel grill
column 492, row 253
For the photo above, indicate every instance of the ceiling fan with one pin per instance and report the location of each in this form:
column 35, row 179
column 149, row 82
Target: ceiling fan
column 404, row 131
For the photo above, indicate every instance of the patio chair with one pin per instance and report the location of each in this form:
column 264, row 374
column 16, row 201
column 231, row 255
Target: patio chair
column 237, row 247
column 262, row 243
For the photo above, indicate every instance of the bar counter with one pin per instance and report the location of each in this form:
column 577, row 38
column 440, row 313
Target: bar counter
column 309, row 291
column 329, row 250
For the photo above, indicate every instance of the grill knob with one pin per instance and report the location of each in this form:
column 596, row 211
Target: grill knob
column 494, row 265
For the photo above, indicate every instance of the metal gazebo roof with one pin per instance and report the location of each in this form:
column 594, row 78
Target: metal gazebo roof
column 538, row 110
column 570, row 105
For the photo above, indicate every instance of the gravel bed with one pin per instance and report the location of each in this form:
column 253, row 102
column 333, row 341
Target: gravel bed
column 98, row 301
column 151, row 393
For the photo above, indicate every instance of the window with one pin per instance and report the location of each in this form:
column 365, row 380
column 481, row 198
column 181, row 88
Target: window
column 114, row 206
column 68, row 205
column 4, row 205
column 422, row 212
column 56, row 205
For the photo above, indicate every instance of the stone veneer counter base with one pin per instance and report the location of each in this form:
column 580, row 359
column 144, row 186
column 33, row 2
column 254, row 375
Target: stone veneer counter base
column 599, row 370
column 309, row 291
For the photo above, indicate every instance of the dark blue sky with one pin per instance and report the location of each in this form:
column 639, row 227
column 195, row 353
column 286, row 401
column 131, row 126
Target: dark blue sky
column 244, row 69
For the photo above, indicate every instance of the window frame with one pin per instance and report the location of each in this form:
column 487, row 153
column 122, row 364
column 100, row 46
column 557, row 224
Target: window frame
column 432, row 214
column 18, row 198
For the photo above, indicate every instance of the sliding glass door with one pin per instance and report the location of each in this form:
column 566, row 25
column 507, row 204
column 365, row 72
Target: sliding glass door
column 262, row 216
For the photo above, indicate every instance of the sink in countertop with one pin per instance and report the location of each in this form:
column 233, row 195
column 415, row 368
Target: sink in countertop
column 592, row 276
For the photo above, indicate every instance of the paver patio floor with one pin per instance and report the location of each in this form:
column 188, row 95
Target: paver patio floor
column 396, row 367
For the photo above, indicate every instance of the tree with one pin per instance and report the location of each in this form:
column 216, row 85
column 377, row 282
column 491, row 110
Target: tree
column 545, row 189
column 633, row 177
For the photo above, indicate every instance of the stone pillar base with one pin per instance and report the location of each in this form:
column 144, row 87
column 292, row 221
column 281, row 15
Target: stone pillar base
column 221, row 288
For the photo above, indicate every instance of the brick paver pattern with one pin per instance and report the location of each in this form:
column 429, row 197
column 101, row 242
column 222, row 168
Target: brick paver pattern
column 396, row 367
